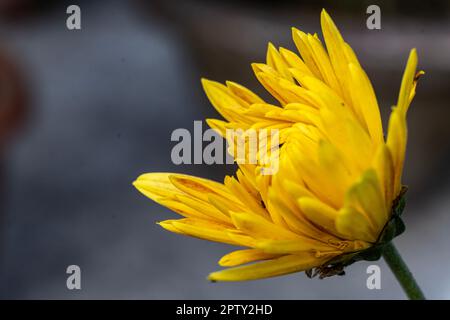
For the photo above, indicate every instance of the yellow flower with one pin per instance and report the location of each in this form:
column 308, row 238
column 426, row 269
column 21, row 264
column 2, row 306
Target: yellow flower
column 338, row 177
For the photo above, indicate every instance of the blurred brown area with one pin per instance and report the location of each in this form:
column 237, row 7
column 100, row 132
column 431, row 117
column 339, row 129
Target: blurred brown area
column 12, row 98
column 21, row 10
column 13, row 110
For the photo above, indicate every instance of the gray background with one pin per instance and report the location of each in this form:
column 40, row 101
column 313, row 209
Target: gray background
column 104, row 101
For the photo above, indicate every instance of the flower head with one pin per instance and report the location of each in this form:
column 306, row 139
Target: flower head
column 338, row 186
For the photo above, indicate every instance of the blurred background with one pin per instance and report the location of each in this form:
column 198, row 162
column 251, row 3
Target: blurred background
column 84, row 112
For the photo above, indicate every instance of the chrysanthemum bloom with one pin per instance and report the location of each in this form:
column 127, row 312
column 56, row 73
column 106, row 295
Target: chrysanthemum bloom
column 338, row 188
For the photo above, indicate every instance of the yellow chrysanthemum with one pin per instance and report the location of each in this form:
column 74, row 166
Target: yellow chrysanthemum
column 338, row 177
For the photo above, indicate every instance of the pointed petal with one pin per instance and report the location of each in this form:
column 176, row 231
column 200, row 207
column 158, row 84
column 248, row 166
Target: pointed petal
column 267, row 269
column 243, row 93
column 323, row 63
column 293, row 246
column 229, row 106
column 396, row 143
column 260, row 228
column 294, row 61
column 300, row 40
column 219, row 126
column 200, row 188
column 366, row 197
column 385, row 170
column 407, row 82
column 354, row 225
column 244, row 256
column 320, row 214
column 365, row 103
column 199, row 229
column 275, row 60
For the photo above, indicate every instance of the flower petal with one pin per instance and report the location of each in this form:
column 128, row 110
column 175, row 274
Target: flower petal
column 385, row 170
column 239, row 257
column 275, row 60
column 201, row 229
column 366, row 197
column 365, row 103
column 275, row 267
column 258, row 227
column 293, row 246
column 396, row 143
column 407, row 82
column 354, row 225
column 320, row 214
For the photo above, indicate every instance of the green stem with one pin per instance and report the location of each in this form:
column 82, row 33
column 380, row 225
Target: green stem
column 402, row 273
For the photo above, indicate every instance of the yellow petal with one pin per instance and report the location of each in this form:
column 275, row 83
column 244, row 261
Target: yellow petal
column 365, row 103
column 334, row 43
column 323, row 63
column 294, row 61
column 239, row 237
column 272, row 82
column 243, row 93
column 354, row 225
column 201, row 229
column 275, row 267
column 320, row 214
column 385, row 171
column 156, row 186
column 407, row 82
column 250, row 201
column 217, row 125
column 259, row 227
column 198, row 187
column 204, row 208
column 225, row 103
column 337, row 176
column 396, row 143
column 300, row 40
column 167, row 224
column 344, row 132
column 184, row 210
column 285, row 208
column 293, row 246
column 337, row 50
column 366, row 197
column 275, row 60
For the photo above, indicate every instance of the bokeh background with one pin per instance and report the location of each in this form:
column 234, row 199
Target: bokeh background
column 83, row 113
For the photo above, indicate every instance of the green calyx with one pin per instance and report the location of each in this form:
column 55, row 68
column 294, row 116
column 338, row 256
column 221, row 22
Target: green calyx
column 393, row 228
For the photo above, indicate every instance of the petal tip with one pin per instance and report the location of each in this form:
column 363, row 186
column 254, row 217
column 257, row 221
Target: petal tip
column 224, row 262
column 205, row 82
column 138, row 184
column 211, row 278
